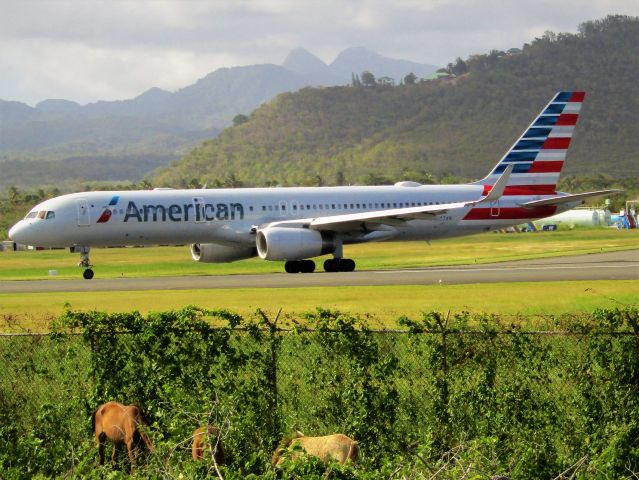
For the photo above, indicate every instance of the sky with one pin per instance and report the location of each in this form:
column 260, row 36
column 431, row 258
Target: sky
column 89, row 50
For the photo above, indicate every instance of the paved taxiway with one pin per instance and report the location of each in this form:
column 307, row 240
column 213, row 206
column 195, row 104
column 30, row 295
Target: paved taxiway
column 603, row 266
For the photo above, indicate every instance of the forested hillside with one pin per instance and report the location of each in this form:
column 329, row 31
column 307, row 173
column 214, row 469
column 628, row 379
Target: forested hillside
column 459, row 126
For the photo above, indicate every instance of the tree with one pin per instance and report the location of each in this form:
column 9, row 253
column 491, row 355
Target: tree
column 410, row 79
column 14, row 195
column 239, row 119
column 460, row 67
column 368, row 79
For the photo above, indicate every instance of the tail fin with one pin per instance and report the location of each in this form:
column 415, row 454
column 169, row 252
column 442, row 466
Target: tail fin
column 538, row 155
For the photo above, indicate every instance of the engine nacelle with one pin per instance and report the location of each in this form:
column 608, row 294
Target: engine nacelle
column 281, row 243
column 217, row 253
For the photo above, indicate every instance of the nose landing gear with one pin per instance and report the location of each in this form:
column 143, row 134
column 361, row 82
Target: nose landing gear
column 84, row 261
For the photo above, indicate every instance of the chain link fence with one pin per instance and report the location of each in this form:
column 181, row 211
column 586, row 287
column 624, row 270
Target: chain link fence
column 552, row 391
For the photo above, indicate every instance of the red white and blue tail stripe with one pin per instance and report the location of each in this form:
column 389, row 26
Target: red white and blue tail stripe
column 538, row 155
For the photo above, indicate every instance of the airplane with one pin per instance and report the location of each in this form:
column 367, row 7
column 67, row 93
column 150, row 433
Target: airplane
column 297, row 224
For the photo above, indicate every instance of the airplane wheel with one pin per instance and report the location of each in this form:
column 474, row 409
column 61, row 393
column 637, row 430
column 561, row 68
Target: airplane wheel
column 331, row 265
column 292, row 266
column 299, row 266
column 87, row 274
column 346, row 265
column 307, row 266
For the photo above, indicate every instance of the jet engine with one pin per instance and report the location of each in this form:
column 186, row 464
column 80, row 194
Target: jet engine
column 218, row 253
column 281, row 243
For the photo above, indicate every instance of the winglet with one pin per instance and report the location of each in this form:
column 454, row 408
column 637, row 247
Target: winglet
column 500, row 185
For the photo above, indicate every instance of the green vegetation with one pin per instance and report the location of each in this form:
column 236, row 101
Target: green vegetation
column 438, row 397
column 438, row 130
column 20, row 312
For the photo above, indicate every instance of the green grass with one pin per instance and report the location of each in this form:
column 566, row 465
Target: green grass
column 172, row 261
column 383, row 305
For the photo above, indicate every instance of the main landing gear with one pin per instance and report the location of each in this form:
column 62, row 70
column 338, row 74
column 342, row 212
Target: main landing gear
column 330, row 265
column 339, row 265
column 84, row 261
column 299, row 266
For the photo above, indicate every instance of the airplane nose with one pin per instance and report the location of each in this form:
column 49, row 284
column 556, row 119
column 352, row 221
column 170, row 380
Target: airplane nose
column 15, row 233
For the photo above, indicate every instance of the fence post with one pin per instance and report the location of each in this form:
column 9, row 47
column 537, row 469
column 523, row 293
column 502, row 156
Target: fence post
column 272, row 371
column 443, row 380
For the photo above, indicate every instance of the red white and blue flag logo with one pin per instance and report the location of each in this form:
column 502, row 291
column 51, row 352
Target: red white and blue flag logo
column 107, row 212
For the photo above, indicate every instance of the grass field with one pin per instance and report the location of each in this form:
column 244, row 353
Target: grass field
column 383, row 304
column 172, row 261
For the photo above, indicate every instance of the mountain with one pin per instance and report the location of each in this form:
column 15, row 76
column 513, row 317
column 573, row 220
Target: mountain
column 301, row 61
column 356, row 60
column 457, row 126
column 314, row 70
column 157, row 124
column 352, row 61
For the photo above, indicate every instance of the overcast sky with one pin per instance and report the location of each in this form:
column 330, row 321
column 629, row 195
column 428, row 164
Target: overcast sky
column 88, row 50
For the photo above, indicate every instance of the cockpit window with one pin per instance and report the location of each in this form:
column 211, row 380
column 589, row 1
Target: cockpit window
column 50, row 214
column 30, row 215
column 42, row 214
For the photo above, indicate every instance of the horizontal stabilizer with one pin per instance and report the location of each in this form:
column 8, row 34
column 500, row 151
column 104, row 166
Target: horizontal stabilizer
column 569, row 198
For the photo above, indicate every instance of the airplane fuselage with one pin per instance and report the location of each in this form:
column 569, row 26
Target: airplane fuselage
column 167, row 216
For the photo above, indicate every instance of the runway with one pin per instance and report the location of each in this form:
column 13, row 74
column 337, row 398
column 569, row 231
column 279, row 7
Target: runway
column 622, row 265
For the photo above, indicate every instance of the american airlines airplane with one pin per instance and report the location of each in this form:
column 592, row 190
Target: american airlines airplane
column 298, row 224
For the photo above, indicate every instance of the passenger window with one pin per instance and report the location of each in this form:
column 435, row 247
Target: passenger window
column 50, row 215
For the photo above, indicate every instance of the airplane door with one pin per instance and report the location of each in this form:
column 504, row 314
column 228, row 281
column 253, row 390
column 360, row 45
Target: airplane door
column 494, row 208
column 198, row 210
column 84, row 219
column 283, row 209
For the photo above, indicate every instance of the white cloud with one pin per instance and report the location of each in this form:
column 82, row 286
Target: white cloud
column 86, row 50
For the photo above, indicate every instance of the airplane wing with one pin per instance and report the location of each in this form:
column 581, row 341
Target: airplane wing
column 381, row 218
column 568, row 198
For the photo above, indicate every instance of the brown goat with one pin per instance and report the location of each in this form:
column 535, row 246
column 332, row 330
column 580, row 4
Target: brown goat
column 211, row 435
column 336, row 447
column 119, row 423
